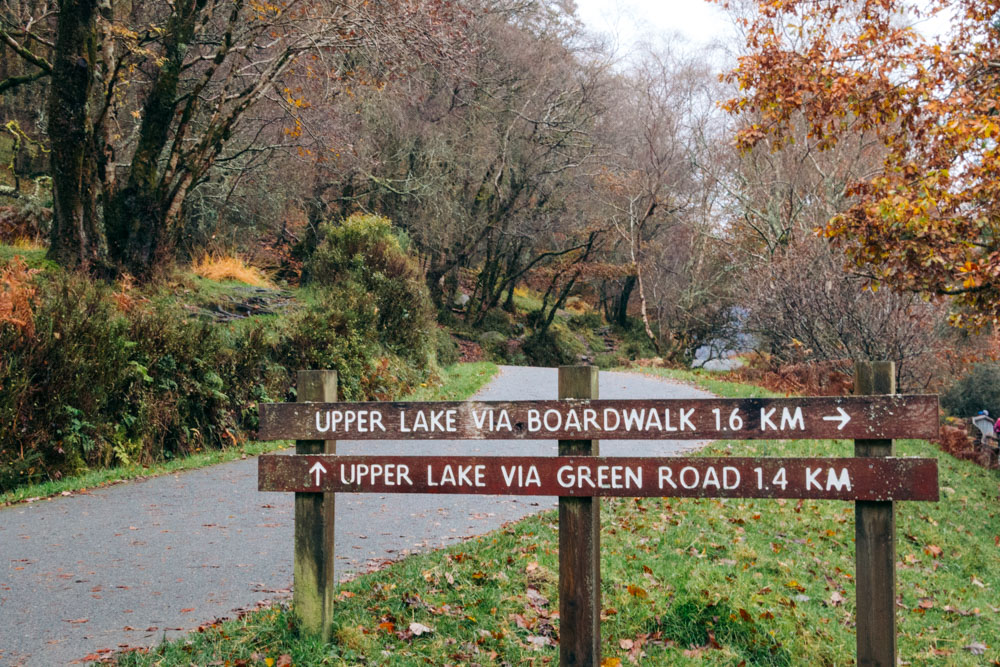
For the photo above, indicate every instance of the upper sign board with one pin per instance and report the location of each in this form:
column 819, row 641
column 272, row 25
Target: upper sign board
column 848, row 417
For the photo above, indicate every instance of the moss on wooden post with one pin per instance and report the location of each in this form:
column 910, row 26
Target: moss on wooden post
column 314, row 581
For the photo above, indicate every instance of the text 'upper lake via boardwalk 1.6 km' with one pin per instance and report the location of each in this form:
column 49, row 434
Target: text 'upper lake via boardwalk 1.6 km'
column 871, row 417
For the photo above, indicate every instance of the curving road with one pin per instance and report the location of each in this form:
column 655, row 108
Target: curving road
column 133, row 563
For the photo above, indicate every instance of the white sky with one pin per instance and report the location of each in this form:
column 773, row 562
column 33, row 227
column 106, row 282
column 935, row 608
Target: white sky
column 698, row 21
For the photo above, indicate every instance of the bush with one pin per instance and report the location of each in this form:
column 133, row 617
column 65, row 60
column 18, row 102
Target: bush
column 497, row 320
column 95, row 385
column 635, row 342
column 93, row 377
column 363, row 257
column 803, row 307
column 979, row 389
column 609, row 360
column 446, row 348
column 586, row 321
column 548, row 348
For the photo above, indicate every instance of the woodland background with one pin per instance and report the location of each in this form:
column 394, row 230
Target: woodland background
column 199, row 197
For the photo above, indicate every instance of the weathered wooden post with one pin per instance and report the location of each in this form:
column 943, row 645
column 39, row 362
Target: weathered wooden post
column 579, row 544
column 314, row 582
column 875, row 539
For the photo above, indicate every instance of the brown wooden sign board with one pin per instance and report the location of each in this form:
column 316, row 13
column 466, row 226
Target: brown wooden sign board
column 843, row 417
column 873, row 479
column 867, row 479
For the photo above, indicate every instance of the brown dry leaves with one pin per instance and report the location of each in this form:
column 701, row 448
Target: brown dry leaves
column 17, row 293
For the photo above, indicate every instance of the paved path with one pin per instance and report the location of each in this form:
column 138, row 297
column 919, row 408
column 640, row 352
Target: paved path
column 132, row 563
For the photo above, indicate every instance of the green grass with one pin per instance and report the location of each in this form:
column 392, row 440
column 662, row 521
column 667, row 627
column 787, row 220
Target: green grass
column 33, row 257
column 527, row 301
column 457, row 383
column 684, row 582
column 708, row 380
column 203, row 291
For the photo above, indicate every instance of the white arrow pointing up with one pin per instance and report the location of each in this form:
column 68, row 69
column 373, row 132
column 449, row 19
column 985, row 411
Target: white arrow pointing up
column 843, row 418
column 318, row 469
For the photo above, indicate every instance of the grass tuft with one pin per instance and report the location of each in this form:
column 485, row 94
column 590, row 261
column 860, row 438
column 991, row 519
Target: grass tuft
column 456, row 383
column 222, row 268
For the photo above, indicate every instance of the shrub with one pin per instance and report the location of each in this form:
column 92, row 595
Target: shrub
column 496, row 320
column 361, row 255
column 586, row 321
column 93, row 377
column 803, row 307
column 446, row 349
column 609, row 360
column 635, row 342
column 338, row 331
column 59, row 381
column 547, row 348
column 979, row 389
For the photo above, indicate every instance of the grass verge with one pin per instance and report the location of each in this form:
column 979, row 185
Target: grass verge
column 33, row 256
column 108, row 476
column 685, row 582
column 457, row 382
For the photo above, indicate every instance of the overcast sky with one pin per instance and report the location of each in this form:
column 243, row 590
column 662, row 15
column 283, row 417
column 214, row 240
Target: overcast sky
column 630, row 20
column 700, row 22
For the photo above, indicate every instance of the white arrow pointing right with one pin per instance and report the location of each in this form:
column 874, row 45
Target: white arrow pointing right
column 318, row 469
column 843, row 418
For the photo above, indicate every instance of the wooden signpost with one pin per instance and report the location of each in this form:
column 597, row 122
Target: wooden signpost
column 579, row 476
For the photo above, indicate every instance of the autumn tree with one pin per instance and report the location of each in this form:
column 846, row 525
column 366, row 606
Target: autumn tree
column 662, row 202
column 145, row 99
column 802, row 307
column 478, row 160
column 928, row 219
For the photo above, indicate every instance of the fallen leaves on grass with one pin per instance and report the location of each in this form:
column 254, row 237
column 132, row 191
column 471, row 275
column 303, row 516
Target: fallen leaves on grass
column 420, row 629
column 975, row 648
column 636, row 591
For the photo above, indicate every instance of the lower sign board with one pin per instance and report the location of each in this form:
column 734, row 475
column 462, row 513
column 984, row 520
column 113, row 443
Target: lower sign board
column 876, row 479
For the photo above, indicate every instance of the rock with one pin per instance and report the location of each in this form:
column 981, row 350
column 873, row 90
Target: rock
column 461, row 300
column 492, row 338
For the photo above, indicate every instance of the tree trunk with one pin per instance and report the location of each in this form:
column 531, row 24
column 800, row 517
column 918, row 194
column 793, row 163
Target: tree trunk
column 137, row 237
column 77, row 238
column 137, row 220
column 642, row 308
column 622, row 299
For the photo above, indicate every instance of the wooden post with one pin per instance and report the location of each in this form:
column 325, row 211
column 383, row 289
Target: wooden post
column 579, row 544
column 314, row 582
column 875, row 540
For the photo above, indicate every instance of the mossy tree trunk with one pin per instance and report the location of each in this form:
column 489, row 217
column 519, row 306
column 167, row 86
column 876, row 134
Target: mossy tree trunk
column 77, row 238
column 138, row 215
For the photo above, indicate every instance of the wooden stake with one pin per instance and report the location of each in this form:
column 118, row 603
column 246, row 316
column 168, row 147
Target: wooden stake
column 875, row 540
column 314, row 582
column 579, row 544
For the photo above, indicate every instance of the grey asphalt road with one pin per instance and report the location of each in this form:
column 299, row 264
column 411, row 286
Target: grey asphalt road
column 133, row 563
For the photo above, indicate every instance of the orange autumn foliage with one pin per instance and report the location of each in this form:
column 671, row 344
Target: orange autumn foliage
column 17, row 293
column 928, row 219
